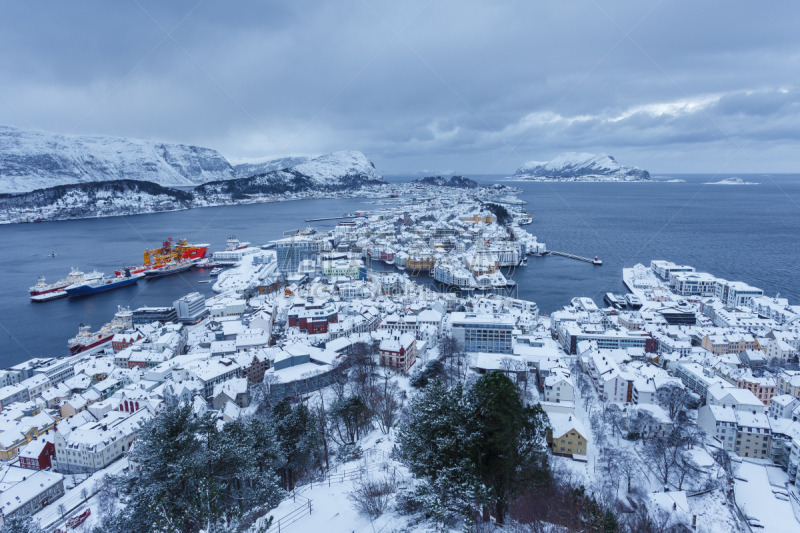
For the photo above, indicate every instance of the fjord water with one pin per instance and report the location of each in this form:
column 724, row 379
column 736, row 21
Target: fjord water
column 749, row 233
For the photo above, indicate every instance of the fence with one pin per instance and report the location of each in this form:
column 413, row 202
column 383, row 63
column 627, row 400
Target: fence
column 374, row 461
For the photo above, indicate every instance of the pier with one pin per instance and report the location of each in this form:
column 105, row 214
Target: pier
column 571, row 256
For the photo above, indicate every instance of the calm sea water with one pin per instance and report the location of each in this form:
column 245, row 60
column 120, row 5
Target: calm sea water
column 747, row 233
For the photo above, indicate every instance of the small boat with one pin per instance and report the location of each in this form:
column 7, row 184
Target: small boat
column 216, row 271
column 597, row 261
column 204, row 281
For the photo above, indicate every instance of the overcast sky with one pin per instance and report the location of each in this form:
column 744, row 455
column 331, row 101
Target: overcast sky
column 471, row 87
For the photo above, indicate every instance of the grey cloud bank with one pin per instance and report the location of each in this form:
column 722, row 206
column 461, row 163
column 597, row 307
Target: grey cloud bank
column 469, row 86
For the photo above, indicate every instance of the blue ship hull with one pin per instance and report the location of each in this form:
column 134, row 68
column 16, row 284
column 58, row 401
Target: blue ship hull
column 83, row 290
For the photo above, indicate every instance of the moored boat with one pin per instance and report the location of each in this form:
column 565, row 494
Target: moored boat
column 86, row 339
column 168, row 270
column 155, row 258
column 74, row 276
column 102, row 284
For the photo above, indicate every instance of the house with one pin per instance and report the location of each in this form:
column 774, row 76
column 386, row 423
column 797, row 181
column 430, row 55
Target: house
column 753, row 434
column 398, row 352
column 96, row 444
column 720, row 423
column 739, row 399
column 38, row 454
column 558, row 386
column 234, row 390
column 566, row 436
column 782, row 406
column 25, row 493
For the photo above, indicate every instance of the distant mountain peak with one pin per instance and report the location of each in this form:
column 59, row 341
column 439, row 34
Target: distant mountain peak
column 580, row 166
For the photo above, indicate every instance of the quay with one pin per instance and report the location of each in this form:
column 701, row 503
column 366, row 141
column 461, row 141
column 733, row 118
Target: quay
column 594, row 261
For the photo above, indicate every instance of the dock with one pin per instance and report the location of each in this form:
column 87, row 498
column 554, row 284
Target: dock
column 572, row 256
column 331, row 218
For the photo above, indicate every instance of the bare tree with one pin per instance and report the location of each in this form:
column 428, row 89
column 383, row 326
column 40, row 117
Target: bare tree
column 84, row 494
column 62, row 510
column 674, row 398
column 614, row 418
column 686, row 469
column 661, row 453
column 627, row 464
column 387, row 401
column 643, row 424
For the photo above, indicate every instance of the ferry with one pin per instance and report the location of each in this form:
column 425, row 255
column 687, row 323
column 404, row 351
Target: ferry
column 86, row 339
column 42, row 287
column 633, row 301
column 102, row 284
column 614, row 301
column 160, row 257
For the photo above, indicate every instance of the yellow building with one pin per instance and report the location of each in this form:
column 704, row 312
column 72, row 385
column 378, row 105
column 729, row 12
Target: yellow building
column 566, row 436
column 486, row 218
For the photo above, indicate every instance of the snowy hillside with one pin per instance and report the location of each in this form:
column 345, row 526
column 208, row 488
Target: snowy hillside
column 245, row 170
column 578, row 166
column 331, row 172
column 32, row 160
column 459, row 182
column 86, row 200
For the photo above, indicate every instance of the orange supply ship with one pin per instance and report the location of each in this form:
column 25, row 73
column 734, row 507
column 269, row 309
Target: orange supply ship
column 156, row 258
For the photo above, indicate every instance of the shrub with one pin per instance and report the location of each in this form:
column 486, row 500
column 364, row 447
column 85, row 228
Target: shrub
column 372, row 497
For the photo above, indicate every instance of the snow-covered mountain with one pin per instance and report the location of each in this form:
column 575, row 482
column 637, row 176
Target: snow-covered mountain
column 34, row 160
column 245, row 170
column 331, row 172
column 577, row 166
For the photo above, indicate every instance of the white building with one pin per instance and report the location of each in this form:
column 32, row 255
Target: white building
column 95, row 445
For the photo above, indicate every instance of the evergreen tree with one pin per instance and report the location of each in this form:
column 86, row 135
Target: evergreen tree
column 474, row 448
column 189, row 475
column 20, row 524
column 505, row 439
column 299, row 440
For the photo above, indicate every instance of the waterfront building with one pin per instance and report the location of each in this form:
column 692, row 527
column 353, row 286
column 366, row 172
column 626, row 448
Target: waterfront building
column 190, row 309
column 148, row 315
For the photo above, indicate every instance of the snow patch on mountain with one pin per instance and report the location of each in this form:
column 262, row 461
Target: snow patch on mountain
column 580, row 166
column 329, row 169
column 32, row 160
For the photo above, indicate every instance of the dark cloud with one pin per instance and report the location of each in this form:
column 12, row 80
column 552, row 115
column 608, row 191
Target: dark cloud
column 471, row 86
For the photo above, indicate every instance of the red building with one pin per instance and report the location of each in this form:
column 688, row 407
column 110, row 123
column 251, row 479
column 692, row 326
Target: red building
column 120, row 341
column 313, row 316
column 37, row 454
